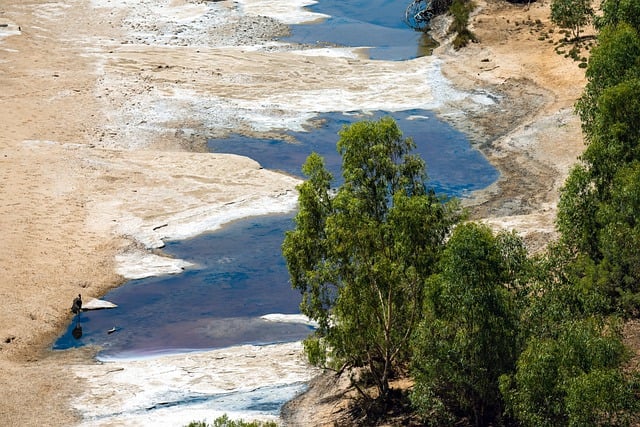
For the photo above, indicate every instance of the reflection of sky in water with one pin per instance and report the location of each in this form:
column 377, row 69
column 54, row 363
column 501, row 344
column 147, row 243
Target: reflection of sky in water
column 453, row 166
column 377, row 24
column 240, row 274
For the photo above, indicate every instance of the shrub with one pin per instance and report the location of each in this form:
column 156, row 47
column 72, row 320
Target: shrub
column 225, row 421
column 460, row 10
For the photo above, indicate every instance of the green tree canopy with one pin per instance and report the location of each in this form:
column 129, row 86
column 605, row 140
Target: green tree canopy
column 468, row 337
column 572, row 378
column 593, row 203
column 571, row 14
column 614, row 60
column 619, row 11
column 615, row 138
column 360, row 255
column 619, row 240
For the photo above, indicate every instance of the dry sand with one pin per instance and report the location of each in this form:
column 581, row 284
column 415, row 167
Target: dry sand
column 103, row 114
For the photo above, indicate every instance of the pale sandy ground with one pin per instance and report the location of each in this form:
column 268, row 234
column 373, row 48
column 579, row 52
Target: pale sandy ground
column 535, row 137
column 103, row 113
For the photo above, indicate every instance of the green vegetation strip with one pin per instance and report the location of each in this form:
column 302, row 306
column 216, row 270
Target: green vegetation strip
column 402, row 285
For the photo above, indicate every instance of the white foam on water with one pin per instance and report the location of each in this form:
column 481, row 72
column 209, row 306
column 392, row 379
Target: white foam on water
column 290, row 318
column 137, row 264
column 98, row 304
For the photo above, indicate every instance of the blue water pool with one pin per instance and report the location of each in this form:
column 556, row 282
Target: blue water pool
column 375, row 24
column 239, row 276
column 239, row 272
column 454, row 167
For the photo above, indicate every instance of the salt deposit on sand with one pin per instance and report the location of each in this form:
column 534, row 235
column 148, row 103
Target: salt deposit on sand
column 192, row 79
column 286, row 11
column 179, row 195
column 217, row 90
column 8, row 28
column 249, row 382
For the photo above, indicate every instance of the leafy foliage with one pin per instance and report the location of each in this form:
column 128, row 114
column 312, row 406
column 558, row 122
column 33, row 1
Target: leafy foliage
column 613, row 61
column 555, row 373
column 492, row 335
column 570, row 372
column 596, row 202
column 469, row 336
column 560, row 287
column 619, row 238
column 360, row 257
column 577, row 209
column 618, row 11
column 571, row 14
column 225, row 421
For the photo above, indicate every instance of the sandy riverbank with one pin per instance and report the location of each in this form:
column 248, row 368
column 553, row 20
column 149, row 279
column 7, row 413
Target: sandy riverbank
column 104, row 111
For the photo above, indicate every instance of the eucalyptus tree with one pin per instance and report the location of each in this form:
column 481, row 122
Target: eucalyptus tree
column 616, row 11
column 360, row 254
column 572, row 377
column 594, row 206
column 614, row 60
column 469, row 335
column 572, row 14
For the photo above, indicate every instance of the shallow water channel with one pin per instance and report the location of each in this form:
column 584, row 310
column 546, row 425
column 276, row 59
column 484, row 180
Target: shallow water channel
column 374, row 24
column 239, row 273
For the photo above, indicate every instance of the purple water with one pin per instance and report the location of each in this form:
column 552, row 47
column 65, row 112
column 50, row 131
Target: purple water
column 375, row 24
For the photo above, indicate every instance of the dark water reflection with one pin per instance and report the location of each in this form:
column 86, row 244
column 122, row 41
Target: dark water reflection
column 375, row 24
column 240, row 274
column 454, row 167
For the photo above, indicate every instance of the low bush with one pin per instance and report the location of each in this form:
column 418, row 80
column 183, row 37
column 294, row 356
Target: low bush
column 460, row 10
column 225, row 421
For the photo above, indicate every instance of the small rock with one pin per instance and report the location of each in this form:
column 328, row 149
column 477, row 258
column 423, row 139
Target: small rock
column 98, row 304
